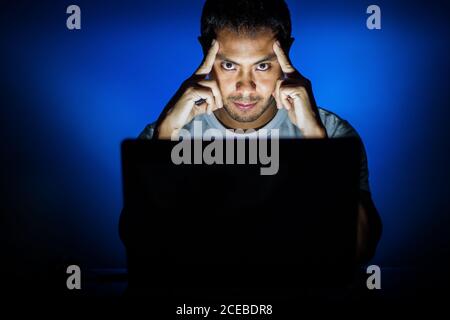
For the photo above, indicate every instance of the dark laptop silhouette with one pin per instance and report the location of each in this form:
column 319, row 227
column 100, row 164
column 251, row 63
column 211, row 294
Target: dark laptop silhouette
column 227, row 226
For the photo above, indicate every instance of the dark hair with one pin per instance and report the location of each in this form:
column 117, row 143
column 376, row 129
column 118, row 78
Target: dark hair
column 245, row 16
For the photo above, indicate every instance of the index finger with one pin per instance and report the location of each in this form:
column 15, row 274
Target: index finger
column 283, row 60
column 206, row 67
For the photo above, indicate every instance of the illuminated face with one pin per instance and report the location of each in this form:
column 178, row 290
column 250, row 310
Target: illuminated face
column 246, row 70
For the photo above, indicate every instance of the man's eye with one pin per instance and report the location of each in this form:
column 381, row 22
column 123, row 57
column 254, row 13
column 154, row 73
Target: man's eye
column 228, row 65
column 263, row 67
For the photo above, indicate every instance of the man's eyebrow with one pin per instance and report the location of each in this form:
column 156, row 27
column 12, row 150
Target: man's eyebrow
column 220, row 56
column 270, row 57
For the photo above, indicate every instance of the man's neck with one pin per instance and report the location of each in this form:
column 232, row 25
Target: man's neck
column 229, row 123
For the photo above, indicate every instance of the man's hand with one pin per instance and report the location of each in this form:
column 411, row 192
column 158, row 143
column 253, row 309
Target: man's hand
column 197, row 95
column 295, row 94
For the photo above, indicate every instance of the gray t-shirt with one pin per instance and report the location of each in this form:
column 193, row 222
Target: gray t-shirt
column 334, row 125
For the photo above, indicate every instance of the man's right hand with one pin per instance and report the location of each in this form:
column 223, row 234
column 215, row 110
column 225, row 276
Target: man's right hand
column 196, row 96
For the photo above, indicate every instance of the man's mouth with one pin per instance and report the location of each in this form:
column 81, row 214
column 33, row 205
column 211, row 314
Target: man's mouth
column 244, row 106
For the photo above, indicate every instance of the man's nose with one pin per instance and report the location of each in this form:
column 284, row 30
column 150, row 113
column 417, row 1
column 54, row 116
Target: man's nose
column 245, row 82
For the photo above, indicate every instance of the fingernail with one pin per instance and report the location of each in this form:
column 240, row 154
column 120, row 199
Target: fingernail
column 278, row 43
column 213, row 42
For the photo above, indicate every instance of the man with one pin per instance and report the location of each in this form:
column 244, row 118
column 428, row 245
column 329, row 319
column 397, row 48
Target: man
column 246, row 81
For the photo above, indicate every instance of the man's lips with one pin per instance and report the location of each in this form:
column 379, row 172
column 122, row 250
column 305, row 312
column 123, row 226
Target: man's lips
column 244, row 106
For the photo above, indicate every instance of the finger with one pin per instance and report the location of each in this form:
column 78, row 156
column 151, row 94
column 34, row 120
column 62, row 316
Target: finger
column 210, row 99
column 285, row 98
column 206, row 67
column 298, row 98
column 206, row 96
column 284, row 62
column 212, row 84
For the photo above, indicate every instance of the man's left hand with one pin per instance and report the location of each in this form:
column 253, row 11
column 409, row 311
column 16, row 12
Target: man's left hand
column 294, row 93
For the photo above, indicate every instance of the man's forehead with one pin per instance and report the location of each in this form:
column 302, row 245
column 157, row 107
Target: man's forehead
column 252, row 47
column 249, row 59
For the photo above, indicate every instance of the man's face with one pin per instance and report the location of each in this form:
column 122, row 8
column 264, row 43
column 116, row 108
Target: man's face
column 246, row 70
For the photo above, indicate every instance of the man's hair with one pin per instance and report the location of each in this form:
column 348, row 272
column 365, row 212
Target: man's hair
column 245, row 17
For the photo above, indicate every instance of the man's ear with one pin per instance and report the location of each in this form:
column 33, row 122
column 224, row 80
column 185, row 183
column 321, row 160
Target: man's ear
column 205, row 44
column 289, row 45
column 200, row 39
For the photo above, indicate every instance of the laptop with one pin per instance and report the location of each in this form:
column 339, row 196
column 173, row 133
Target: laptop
column 191, row 220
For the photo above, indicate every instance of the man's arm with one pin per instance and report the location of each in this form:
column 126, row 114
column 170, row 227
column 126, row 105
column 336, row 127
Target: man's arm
column 197, row 95
column 294, row 93
column 369, row 228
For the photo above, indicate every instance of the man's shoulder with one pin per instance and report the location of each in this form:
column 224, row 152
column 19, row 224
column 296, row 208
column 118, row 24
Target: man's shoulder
column 148, row 132
column 336, row 126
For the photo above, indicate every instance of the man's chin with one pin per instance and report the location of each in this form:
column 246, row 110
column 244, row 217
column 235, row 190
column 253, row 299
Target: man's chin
column 244, row 116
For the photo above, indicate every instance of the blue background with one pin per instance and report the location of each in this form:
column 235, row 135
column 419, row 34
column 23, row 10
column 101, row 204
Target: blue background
column 68, row 98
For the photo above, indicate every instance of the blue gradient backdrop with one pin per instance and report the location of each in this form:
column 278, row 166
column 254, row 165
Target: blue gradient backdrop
column 70, row 97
